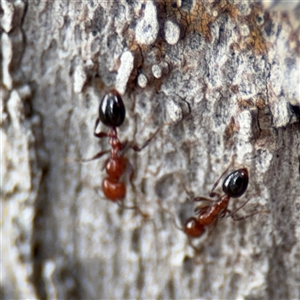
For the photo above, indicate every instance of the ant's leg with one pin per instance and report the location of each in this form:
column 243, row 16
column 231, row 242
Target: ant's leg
column 124, row 146
column 101, row 134
column 96, row 124
column 97, row 190
column 159, row 202
column 236, row 218
column 191, row 194
column 105, row 163
column 131, row 172
column 214, row 226
column 198, row 199
column 223, row 213
column 179, row 176
column 98, row 155
column 237, row 209
column 138, row 149
column 135, row 207
column 212, row 194
column 202, row 209
column 121, row 205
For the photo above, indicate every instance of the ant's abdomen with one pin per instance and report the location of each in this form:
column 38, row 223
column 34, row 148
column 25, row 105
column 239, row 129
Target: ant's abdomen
column 113, row 190
column 193, row 228
column 116, row 167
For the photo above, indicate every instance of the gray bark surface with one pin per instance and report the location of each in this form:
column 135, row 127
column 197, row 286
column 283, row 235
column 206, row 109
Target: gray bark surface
column 224, row 75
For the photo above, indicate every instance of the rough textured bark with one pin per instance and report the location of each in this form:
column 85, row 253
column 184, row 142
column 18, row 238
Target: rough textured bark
column 225, row 73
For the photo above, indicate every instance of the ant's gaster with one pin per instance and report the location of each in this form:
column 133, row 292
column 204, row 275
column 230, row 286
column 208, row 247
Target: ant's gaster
column 112, row 114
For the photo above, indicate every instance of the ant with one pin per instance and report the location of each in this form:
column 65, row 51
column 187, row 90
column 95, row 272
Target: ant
column 234, row 186
column 112, row 114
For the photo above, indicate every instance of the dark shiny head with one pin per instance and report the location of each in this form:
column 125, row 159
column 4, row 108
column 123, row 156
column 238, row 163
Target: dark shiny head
column 236, row 183
column 111, row 109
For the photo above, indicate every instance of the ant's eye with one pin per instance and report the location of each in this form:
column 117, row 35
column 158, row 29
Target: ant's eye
column 236, row 183
column 112, row 109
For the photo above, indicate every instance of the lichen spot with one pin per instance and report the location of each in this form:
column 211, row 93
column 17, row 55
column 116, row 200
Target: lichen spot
column 156, row 71
column 147, row 28
column 172, row 32
column 125, row 69
column 142, row 80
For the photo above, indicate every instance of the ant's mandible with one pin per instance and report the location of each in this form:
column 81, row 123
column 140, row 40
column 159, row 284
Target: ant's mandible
column 112, row 114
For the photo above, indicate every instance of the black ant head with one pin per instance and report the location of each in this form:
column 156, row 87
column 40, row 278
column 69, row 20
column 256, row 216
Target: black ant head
column 112, row 110
column 236, row 183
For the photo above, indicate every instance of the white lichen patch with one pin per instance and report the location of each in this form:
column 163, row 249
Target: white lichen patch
column 244, row 8
column 12, row 14
column 244, row 29
column 174, row 111
column 142, row 80
column 215, row 13
column 125, row 69
column 280, row 112
column 79, row 79
column 280, row 5
column 172, row 32
column 147, row 28
column 245, row 123
column 7, row 50
column 156, row 71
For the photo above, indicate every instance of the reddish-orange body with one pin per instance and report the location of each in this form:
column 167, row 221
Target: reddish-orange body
column 207, row 215
column 234, row 185
column 116, row 165
column 112, row 114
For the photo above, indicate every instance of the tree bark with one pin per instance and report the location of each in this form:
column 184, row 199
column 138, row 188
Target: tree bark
column 223, row 75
